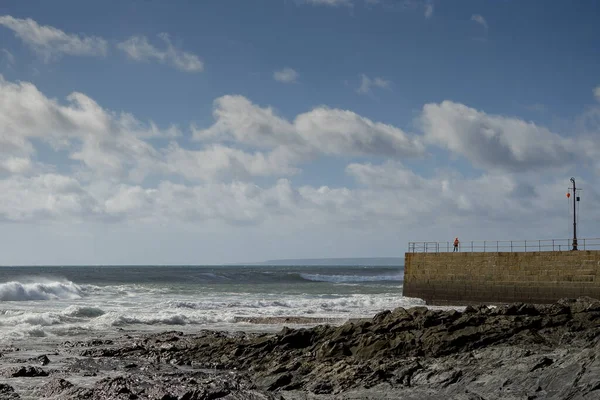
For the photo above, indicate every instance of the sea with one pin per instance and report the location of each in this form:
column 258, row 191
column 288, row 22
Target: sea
column 55, row 304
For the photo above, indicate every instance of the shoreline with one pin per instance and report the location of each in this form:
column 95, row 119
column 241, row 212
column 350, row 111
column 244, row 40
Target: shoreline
column 294, row 320
column 517, row 350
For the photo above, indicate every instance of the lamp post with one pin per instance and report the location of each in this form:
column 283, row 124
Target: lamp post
column 575, row 199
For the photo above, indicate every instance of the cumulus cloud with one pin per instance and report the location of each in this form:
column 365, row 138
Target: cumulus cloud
column 320, row 131
column 107, row 143
column 138, row 48
column 50, row 42
column 286, row 75
column 495, row 142
column 480, row 20
column 15, row 165
column 444, row 199
column 366, row 84
column 109, row 154
column 217, row 163
column 44, row 197
column 237, row 118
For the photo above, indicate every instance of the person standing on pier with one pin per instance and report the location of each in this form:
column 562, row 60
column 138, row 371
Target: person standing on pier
column 456, row 243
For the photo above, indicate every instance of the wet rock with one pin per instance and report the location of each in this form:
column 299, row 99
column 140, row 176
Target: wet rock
column 7, row 392
column 43, row 360
column 321, row 387
column 62, row 389
column 515, row 351
column 25, row 371
column 273, row 382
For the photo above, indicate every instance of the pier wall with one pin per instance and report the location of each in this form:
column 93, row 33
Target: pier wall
column 534, row 277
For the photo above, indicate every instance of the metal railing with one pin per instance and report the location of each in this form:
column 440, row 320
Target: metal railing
column 505, row 245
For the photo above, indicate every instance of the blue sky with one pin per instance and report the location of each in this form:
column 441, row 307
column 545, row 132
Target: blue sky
column 230, row 131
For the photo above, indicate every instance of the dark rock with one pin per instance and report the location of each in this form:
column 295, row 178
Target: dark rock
column 7, row 392
column 544, row 362
column 515, row 351
column 58, row 387
column 296, row 339
column 273, row 382
column 43, row 360
column 26, row 371
column 321, row 387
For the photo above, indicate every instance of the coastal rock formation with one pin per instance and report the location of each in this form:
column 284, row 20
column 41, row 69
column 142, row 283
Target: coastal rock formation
column 25, row 371
column 7, row 392
column 142, row 386
column 519, row 351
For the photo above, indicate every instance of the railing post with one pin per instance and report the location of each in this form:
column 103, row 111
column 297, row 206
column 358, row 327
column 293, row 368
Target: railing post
column 497, row 246
column 471, row 246
column 511, row 246
column 552, row 244
column 526, row 246
column 484, row 246
column 539, row 245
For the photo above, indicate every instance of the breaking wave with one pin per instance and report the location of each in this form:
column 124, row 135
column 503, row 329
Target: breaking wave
column 50, row 290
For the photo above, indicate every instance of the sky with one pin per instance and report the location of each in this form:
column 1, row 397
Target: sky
column 231, row 131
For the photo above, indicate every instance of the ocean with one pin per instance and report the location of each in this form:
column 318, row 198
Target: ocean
column 48, row 304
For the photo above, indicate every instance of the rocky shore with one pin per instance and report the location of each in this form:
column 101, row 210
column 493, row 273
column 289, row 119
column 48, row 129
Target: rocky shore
column 516, row 351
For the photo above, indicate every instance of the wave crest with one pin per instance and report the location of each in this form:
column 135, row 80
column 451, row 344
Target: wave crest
column 17, row 291
column 83, row 312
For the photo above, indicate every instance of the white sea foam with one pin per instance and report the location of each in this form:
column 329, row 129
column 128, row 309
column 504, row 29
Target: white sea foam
column 73, row 310
column 47, row 290
column 36, row 331
column 83, row 312
column 32, row 318
column 119, row 319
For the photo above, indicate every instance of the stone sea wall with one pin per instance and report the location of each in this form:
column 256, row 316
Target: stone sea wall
column 501, row 277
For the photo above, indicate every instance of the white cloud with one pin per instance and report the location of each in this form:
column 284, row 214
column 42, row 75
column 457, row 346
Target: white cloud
column 105, row 142
column 367, row 83
column 495, row 142
column 44, row 197
column 428, row 10
column 480, row 20
column 389, row 175
column 50, row 42
column 597, row 93
column 239, row 120
column 320, row 131
column 343, row 132
column 218, row 163
column 492, row 199
column 108, row 155
column 286, row 75
column 139, row 49
column 15, row 165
